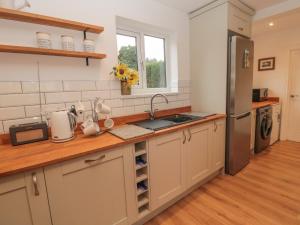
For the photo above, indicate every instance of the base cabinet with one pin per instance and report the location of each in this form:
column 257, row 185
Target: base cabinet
column 218, row 144
column 198, row 148
column 276, row 118
column 92, row 190
column 23, row 199
column 167, row 168
column 180, row 160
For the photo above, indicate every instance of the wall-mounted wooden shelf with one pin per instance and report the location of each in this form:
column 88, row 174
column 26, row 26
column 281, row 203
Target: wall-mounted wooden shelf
column 17, row 15
column 51, row 52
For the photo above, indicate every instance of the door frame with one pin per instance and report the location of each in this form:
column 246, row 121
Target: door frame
column 288, row 93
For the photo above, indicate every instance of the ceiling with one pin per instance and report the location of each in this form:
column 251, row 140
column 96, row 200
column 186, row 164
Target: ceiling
column 191, row 5
column 281, row 21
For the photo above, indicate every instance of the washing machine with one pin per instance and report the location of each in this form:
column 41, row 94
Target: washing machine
column 263, row 131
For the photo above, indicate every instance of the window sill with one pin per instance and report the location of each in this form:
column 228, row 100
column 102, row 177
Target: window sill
column 147, row 95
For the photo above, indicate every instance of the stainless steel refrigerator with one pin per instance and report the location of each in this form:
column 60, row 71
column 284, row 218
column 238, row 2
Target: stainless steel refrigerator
column 239, row 103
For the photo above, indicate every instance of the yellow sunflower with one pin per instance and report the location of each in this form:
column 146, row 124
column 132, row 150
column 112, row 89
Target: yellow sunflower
column 121, row 71
column 133, row 77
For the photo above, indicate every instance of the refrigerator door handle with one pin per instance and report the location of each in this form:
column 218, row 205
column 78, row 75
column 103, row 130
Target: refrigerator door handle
column 240, row 116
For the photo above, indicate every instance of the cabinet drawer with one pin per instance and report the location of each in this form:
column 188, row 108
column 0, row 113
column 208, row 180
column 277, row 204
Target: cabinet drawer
column 90, row 160
column 12, row 183
column 238, row 21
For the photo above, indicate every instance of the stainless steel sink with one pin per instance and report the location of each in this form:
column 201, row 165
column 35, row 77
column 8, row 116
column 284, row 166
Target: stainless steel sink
column 167, row 122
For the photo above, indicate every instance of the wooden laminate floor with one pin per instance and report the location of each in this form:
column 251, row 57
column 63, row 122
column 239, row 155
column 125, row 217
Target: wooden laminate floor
column 266, row 192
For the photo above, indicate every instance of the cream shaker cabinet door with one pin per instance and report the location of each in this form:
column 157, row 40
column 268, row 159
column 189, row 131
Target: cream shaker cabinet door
column 218, row 143
column 239, row 21
column 23, row 199
column 198, row 153
column 167, row 168
column 93, row 190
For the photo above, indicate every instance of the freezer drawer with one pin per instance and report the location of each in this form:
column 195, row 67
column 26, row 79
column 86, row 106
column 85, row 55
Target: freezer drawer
column 238, row 142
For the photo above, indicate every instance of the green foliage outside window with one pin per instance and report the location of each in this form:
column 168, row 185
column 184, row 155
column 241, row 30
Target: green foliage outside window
column 155, row 70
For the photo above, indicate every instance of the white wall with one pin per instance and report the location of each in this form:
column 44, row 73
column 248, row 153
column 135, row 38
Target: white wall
column 19, row 69
column 276, row 44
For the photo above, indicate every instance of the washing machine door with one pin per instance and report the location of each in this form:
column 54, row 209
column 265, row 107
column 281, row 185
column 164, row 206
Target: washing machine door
column 266, row 127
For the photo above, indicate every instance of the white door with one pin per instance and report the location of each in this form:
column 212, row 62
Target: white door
column 294, row 103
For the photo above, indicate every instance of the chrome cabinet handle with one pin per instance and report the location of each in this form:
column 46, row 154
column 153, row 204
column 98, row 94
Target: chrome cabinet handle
column 190, row 135
column 94, row 160
column 184, row 137
column 294, row 96
column 216, row 126
column 35, row 185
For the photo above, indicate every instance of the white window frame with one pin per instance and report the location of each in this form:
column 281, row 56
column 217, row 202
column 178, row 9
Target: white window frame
column 139, row 34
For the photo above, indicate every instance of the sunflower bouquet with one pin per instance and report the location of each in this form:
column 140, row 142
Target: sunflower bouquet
column 127, row 76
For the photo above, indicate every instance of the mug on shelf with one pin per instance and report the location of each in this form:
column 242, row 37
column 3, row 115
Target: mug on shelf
column 88, row 45
column 67, row 43
column 43, row 40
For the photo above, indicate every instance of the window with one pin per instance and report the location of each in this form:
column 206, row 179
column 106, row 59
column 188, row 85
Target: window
column 145, row 52
column 155, row 62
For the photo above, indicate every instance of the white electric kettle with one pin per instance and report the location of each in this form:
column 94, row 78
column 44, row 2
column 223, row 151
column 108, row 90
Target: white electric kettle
column 63, row 124
column 10, row 4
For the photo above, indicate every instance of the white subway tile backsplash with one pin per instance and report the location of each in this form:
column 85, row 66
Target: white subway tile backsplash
column 139, row 101
column 115, row 94
column 103, row 85
column 1, row 127
column 128, row 102
column 141, row 108
column 10, row 87
column 184, row 83
column 12, row 113
column 122, row 111
column 61, row 97
column 186, row 90
column 183, row 97
column 46, row 86
column 114, row 102
column 115, row 84
column 79, row 85
column 8, row 123
column 20, row 99
column 32, row 111
column 91, row 95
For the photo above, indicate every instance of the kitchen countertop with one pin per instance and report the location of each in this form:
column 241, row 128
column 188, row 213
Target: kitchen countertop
column 256, row 105
column 14, row 159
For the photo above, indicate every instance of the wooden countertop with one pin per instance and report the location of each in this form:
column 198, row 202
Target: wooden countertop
column 256, row 105
column 14, row 159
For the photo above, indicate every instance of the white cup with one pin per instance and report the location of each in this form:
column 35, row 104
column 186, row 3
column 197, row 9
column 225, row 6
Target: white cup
column 43, row 40
column 102, row 108
column 109, row 123
column 67, row 43
column 91, row 129
column 88, row 45
column 87, row 123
